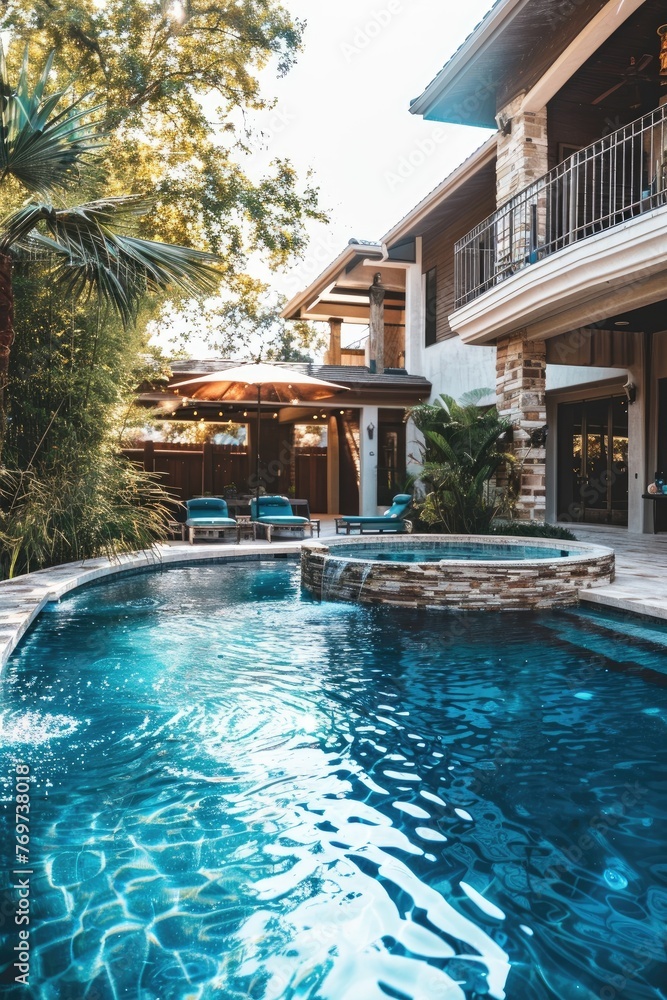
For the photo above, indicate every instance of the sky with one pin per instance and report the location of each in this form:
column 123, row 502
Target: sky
column 343, row 111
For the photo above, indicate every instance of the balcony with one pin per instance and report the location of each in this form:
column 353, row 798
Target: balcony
column 616, row 179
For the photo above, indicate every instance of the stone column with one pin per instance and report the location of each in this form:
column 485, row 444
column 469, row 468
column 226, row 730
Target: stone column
column 522, row 151
column 521, row 388
column 332, row 356
column 376, row 295
column 522, row 159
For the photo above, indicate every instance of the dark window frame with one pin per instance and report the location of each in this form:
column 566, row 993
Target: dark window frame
column 431, row 307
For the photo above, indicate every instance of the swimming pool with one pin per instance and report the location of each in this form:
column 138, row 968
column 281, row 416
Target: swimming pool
column 242, row 793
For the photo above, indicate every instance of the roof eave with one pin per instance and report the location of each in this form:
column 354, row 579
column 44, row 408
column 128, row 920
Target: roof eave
column 420, row 212
column 474, row 45
column 303, row 298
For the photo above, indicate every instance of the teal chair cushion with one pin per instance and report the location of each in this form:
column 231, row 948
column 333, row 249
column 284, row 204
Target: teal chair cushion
column 287, row 521
column 208, row 512
column 269, row 507
column 399, row 508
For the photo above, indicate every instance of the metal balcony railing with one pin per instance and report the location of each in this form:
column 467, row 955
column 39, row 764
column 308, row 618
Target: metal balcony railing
column 620, row 176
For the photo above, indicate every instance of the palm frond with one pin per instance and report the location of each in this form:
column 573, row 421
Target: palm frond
column 92, row 256
column 41, row 147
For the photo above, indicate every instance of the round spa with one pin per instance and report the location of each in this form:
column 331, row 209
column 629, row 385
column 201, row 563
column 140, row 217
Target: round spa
column 467, row 572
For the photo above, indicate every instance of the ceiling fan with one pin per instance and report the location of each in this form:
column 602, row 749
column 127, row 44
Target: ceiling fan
column 631, row 77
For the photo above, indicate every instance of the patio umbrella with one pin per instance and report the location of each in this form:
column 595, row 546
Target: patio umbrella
column 261, row 382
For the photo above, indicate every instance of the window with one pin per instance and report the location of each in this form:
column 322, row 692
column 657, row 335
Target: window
column 431, row 302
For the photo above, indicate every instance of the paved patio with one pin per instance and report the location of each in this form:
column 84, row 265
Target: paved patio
column 641, row 570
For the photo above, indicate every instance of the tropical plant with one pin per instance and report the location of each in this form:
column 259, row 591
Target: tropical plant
column 78, row 511
column 462, row 452
column 45, row 140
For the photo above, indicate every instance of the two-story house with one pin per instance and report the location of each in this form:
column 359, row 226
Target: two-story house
column 539, row 267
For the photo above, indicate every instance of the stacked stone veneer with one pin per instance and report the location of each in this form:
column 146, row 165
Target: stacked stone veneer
column 523, row 155
column 516, row 585
column 521, row 392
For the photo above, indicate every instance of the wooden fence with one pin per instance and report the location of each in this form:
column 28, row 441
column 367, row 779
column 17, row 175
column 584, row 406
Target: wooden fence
column 191, row 470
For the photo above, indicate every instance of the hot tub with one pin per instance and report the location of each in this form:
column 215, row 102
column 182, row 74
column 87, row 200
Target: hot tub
column 473, row 572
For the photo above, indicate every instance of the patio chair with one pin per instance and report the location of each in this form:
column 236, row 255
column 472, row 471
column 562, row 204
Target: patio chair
column 274, row 513
column 208, row 517
column 392, row 520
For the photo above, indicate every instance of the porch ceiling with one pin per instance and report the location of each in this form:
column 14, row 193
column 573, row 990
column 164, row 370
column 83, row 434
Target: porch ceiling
column 609, row 66
column 345, row 296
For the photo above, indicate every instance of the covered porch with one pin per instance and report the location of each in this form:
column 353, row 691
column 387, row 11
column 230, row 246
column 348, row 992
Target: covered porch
column 357, row 466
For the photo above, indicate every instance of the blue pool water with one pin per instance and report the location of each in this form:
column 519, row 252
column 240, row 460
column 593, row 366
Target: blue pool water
column 240, row 793
column 420, row 552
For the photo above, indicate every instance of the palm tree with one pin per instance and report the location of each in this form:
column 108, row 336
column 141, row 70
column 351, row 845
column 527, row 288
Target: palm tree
column 45, row 140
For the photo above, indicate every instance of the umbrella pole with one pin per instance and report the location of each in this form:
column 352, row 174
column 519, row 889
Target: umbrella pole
column 259, row 431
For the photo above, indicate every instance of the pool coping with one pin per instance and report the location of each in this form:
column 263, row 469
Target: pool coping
column 23, row 598
column 578, row 551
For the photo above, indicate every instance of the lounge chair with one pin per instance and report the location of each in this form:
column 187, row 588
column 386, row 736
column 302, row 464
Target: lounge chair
column 274, row 513
column 392, row 520
column 208, row 517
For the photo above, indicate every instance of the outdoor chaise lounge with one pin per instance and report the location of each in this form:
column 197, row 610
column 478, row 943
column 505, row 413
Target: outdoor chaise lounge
column 392, row 520
column 208, row 517
column 274, row 513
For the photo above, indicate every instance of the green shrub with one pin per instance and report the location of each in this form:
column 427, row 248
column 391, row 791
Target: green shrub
column 531, row 529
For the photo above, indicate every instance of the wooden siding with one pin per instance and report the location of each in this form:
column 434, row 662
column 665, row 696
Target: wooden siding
column 438, row 252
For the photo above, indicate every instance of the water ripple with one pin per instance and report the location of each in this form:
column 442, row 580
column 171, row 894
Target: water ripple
column 240, row 793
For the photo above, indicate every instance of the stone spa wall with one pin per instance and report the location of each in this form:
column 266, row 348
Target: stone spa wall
column 475, row 585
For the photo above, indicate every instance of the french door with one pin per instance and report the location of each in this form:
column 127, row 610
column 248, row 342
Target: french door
column 593, row 461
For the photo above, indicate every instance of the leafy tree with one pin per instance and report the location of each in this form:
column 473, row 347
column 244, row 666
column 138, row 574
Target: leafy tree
column 463, row 450
column 248, row 319
column 180, row 82
column 44, row 141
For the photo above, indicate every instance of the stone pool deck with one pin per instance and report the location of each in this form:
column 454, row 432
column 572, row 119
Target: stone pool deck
column 640, row 585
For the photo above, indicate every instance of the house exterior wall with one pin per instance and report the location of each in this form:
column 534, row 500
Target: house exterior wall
column 438, row 251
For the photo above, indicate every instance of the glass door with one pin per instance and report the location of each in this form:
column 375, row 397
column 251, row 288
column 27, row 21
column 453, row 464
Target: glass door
column 593, row 461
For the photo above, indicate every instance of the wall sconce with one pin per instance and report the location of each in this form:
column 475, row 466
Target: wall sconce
column 370, row 430
column 630, row 391
column 538, row 437
column 504, row 123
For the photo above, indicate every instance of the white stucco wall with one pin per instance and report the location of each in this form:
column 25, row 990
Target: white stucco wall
column 567, row 376
column 454, row 368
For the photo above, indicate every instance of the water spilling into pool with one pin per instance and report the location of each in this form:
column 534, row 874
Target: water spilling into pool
column 240, row 793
